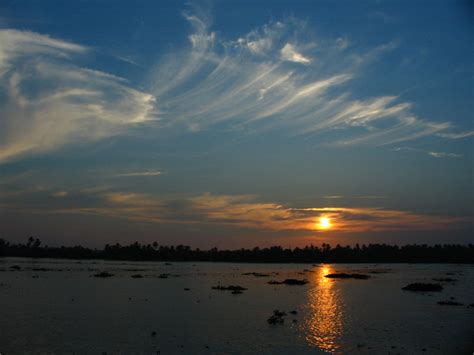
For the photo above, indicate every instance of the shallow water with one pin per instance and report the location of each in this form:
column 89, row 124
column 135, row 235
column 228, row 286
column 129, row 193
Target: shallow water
column 61, row 308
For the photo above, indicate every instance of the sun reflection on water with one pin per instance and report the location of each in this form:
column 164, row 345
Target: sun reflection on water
column 324, row 325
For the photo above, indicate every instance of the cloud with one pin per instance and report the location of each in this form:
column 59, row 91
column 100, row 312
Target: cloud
column 48, row 101
column 289, row 53
column 444, row 155
column 141, row 173
column 242, row 211
column 257, row 82
column 428, row 152
column 60, row 194
column 362, row 197
column 252, row 83
column 342, row 43
column 456, row 135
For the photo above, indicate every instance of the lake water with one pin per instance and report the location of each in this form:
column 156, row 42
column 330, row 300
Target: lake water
column 57, row 306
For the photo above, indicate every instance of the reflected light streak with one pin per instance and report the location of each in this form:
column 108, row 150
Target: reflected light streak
column 324, row 325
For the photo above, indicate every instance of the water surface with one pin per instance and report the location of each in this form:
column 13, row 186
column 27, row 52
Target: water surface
column 57, row 306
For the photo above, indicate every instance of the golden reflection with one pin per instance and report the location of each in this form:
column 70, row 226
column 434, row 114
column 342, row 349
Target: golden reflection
column 324, row 325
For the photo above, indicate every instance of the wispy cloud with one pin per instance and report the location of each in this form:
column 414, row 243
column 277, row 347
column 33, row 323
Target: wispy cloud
column 140, row 173
column 59, row 194
column 288, row 52
column 459, row 135
column 361, row 197
column 433, row 154
column 257, row 81
column 278, row 76
column 243, row 211
column 49, row 101
column 444, row 155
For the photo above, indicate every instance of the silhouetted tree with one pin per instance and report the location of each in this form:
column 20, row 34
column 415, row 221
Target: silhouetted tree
column 372, row 253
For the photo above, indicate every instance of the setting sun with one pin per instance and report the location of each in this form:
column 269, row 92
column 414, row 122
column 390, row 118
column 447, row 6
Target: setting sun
column 324, row 223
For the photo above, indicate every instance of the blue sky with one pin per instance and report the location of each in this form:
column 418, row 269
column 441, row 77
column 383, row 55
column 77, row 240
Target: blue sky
column 236, row 123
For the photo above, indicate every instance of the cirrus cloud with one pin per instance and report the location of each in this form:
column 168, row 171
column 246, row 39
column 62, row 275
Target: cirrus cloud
column 278, row 76
column 48, row 101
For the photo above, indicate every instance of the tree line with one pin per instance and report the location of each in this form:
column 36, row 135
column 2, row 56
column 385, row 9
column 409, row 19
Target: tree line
column 371, row 253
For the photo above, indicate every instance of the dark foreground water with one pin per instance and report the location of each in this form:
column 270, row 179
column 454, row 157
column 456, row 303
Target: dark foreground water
column 57, row 306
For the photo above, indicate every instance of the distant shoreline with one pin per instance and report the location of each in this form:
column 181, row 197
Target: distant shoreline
column 242, row 262
column 372, row 253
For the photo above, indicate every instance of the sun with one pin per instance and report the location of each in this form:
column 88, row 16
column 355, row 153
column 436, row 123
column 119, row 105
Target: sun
column 324, row 223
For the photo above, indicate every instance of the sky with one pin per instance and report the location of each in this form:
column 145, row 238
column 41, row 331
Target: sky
column 236, row 123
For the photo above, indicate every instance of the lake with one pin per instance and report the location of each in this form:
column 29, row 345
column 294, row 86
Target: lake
column 58, row 306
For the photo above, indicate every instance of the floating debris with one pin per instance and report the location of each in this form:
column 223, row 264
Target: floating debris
column 153, row 333
column 137, row 276
column 15, row 267
column 293, row 312
column 104, row 274
column 290, row 282
column 163, row 276
column 187, row 289
column 347, row 276
column 423, row 287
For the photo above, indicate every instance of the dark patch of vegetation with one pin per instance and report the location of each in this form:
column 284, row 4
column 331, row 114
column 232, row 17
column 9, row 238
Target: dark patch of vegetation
column 104, row 274
column 277, row 317
column 229, row 288
column 423, row 287
column 44, row 269
column 256, row 274
column 449, row 303
column 372, row 253
column 347, row 276
column 163, row 276
column 137, row 276
column 15, row 267
column 379, row 271
column 290, row 282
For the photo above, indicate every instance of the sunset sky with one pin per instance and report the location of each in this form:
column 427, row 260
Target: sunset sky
column 236, row 123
